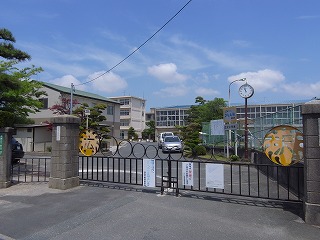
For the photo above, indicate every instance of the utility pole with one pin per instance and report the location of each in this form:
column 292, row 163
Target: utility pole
column 71, row 97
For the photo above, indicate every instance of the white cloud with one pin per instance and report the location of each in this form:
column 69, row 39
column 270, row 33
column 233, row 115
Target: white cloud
column 241, row 43
column 297, row 89
column 177, row 91
column 109, row 82
column 167, row 73
column 201, row 91
column 66, row 81
column 224, row 59
column 262, row 80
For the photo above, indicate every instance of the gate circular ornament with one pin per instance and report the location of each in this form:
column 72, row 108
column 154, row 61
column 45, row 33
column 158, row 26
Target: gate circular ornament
column 89, row 142
column 283, row 145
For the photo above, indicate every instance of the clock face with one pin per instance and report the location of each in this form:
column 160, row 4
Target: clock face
column 246, row 91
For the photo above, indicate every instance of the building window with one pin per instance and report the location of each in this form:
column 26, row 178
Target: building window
column 124, row 122
column 44, row 102
column 110, row 110
column 125, row 112
column 124, row 101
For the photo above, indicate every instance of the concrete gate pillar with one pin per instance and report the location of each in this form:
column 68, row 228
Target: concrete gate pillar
column 5, row 156
column 311, row 124
column 65, row 152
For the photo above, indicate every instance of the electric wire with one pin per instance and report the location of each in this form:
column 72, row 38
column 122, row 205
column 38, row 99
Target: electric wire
column 138, row 48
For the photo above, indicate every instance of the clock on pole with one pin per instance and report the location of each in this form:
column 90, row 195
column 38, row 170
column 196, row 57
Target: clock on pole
column 246, row 91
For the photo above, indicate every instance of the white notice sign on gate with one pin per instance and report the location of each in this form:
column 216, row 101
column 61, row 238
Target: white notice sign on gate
column 214, row 175
column 187, row 173
column 149, row 173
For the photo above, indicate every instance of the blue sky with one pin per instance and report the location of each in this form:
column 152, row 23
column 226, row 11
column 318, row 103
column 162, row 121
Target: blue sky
column 274, row 44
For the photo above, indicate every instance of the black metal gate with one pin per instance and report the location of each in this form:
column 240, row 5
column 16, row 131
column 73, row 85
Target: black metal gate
column 125, row 166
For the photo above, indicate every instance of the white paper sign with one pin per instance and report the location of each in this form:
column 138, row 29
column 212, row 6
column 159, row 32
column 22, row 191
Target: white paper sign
column 187, row 173
column 214, row 175
column 149, row 173
column 58, row 133
column 217, row 127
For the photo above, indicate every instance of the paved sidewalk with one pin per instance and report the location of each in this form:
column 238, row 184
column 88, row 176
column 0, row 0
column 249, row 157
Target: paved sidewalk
column 33, row 211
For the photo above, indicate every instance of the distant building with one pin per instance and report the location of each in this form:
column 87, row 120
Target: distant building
column 167, row 118
column 37, row 137
column 132, row 114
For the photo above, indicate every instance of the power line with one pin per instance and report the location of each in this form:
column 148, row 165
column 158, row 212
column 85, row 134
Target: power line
column 133, row 52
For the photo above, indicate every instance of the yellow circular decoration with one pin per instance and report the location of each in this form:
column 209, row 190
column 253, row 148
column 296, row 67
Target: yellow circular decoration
column 283, row 145
column 89, row 142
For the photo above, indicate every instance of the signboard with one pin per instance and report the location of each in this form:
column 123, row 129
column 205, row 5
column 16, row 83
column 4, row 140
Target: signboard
column 87, row 112
column 214, row 175
column 149, row 172
column 217, row 127
column 89, row 142
column 58, row 133
column 230, row 115
column 283, row 145
column 187, row 173
column 233, row 126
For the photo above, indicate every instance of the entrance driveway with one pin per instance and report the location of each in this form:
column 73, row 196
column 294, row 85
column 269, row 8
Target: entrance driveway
column 33, row 211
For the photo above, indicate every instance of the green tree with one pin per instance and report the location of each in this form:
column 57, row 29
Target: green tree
column 197, row 114
column 95, row 118
column 150, row 131
column 18, row 92
column 132, row 133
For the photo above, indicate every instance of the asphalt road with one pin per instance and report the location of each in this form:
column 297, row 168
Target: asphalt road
column 33, row 211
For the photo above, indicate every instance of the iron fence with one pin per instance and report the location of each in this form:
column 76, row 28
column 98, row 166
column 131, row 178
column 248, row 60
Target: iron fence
column 242, row 179
column 31, row 170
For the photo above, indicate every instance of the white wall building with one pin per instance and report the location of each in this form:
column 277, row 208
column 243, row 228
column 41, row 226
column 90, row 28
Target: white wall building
column 167, row 118
column 132, row 114
column 37, row 137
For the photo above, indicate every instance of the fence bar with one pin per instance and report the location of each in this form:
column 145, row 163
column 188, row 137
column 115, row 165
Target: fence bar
column 240, row 179
column 278, row 186
column 249, row 182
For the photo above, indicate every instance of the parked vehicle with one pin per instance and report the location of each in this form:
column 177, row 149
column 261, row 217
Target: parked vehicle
column 162, row 136
column 17, row 151
column 172, row 144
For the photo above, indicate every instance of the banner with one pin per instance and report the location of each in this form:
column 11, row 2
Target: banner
column 149, row 173
column 187, row 173
column 214, row 175
column 217, row 127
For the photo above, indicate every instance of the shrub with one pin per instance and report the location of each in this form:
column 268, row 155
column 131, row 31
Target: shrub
column 234, row 158
column 200, row 150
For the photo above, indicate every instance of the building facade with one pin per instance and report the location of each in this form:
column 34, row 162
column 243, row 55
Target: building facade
column 132, row 114
column 37, row 137
column 167, row 118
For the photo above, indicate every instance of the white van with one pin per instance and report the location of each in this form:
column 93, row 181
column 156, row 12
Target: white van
column 161, row 137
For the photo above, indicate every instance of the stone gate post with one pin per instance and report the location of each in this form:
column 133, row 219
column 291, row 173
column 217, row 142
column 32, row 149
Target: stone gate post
column 311, row 133
column 65, row 152
column 5, row 156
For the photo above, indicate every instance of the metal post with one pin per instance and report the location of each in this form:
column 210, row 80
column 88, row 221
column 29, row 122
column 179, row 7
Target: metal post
column 71, row 97
column 229, row 131
column 246, row 129
column 169, row 170
column 87, row 124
